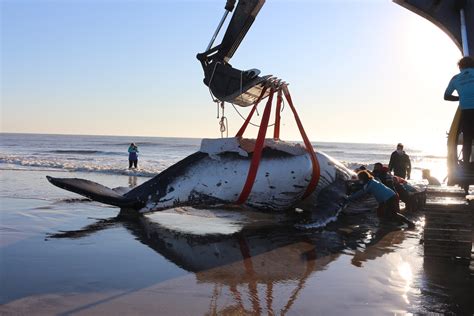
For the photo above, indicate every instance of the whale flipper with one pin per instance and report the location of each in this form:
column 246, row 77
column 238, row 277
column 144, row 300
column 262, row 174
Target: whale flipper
column 95, row 191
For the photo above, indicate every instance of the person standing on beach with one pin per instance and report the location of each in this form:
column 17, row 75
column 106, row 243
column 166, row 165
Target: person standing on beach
column 132, row 156
column 400, row 163
column 463, row 83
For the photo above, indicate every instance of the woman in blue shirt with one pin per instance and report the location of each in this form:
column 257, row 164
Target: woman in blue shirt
column 386, row 197
column 132, row 156
column 463, row 83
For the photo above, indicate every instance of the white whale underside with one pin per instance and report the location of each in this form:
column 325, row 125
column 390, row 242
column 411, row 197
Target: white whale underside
column 281, row 181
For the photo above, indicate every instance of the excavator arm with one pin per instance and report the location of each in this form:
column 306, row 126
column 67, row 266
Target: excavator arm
column 228, row 84
column 454, row 17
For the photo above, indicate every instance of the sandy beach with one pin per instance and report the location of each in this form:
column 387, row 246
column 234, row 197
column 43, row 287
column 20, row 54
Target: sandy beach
column 64, row 255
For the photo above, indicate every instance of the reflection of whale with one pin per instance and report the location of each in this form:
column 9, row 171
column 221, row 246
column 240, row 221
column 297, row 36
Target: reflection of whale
column 217, row 173
column 254, row 262
column 258, row 257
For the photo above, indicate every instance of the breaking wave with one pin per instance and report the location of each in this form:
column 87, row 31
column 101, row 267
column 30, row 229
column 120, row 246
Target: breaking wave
column 85, row 152
column 25, row 163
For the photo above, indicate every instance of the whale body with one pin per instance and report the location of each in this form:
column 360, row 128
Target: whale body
column 216, row 174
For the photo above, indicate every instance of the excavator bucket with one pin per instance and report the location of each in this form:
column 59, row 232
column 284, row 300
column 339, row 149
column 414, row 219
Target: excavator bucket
column 233, row 85
column 226, row 83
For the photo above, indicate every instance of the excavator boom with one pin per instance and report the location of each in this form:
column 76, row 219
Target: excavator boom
column 226, row 83
column 239, row 25
column 454, row 17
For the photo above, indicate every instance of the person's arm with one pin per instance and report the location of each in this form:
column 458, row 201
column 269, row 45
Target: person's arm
column 408, row 167
column 357, row 195
column 448, row 94
column 129, row 149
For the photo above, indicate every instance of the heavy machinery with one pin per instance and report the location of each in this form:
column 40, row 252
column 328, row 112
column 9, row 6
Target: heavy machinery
column 226, row 83
column 246, row 88
column 456, row 19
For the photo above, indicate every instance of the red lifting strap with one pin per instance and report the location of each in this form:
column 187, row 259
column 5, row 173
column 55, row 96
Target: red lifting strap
column 241, row 131
column 276, row 130
column 257, row 153
column 309, row 147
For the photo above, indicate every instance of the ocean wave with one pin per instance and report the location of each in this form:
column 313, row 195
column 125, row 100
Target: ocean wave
column 156, row 144
column 356, row 165
column 75, row 151
column 84, row 152
column 434, row 157
column 12, row 163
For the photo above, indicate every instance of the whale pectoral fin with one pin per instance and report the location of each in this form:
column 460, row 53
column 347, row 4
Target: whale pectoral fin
column 94, row 191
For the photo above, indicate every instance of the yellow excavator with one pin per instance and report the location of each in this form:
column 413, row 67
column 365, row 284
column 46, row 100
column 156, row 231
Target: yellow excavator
column 456, row 19
column 245, row 87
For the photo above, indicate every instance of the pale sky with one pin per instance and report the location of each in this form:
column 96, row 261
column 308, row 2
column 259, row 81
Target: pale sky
column 359, row 70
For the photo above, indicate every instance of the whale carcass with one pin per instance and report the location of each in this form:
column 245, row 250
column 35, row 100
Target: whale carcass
column 216, row 174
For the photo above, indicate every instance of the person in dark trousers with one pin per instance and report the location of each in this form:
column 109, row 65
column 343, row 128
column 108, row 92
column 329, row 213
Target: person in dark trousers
column 400, row 163
column 389, row 207
column 426, row 175
column 463, row 83
column 132, row 156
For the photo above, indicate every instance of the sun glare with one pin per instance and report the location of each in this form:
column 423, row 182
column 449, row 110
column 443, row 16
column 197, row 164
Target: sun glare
column 423, row 41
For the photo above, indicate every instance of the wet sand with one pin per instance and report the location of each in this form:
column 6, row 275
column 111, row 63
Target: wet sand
column 61, row 254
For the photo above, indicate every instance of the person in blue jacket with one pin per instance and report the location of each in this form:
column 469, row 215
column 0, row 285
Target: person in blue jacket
column 463, row 83
column 132, row 156
column 386, row 197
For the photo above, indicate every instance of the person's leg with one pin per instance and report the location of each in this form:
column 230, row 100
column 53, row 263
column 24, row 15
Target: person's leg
column 394, row 210
column 400, row 173
column 467, row 128
column 130, row 163
column 403, row 219
column 467, row 146
column 135, row 163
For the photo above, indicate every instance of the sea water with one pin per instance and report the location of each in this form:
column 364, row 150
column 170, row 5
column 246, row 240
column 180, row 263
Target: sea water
column 108, row 154
column 63, row 254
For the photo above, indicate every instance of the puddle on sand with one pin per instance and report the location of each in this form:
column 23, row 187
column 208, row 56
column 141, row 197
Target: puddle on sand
column 129, row 267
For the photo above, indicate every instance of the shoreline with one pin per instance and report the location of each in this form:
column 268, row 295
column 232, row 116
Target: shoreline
column 62, row 254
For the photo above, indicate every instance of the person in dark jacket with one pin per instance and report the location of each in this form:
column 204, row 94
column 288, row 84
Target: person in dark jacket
column 383, row 175
column 389, row 207
column 463, row 83
column 400, row 163
column 132, row 156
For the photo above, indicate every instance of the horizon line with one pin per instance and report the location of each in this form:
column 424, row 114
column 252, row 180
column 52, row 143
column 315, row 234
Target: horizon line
column 187, row 137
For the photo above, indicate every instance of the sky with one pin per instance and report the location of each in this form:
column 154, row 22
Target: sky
column 366, row 71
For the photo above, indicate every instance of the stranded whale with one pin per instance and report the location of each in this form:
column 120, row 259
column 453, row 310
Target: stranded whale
column 215, row 175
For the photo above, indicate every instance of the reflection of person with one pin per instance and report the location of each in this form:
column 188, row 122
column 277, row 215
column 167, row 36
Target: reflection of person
column 400, row 163
column 426, row 174
column 383, row 242
column 132, row 181
column 463, row 83
column 387, row 198
column 132, row 156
